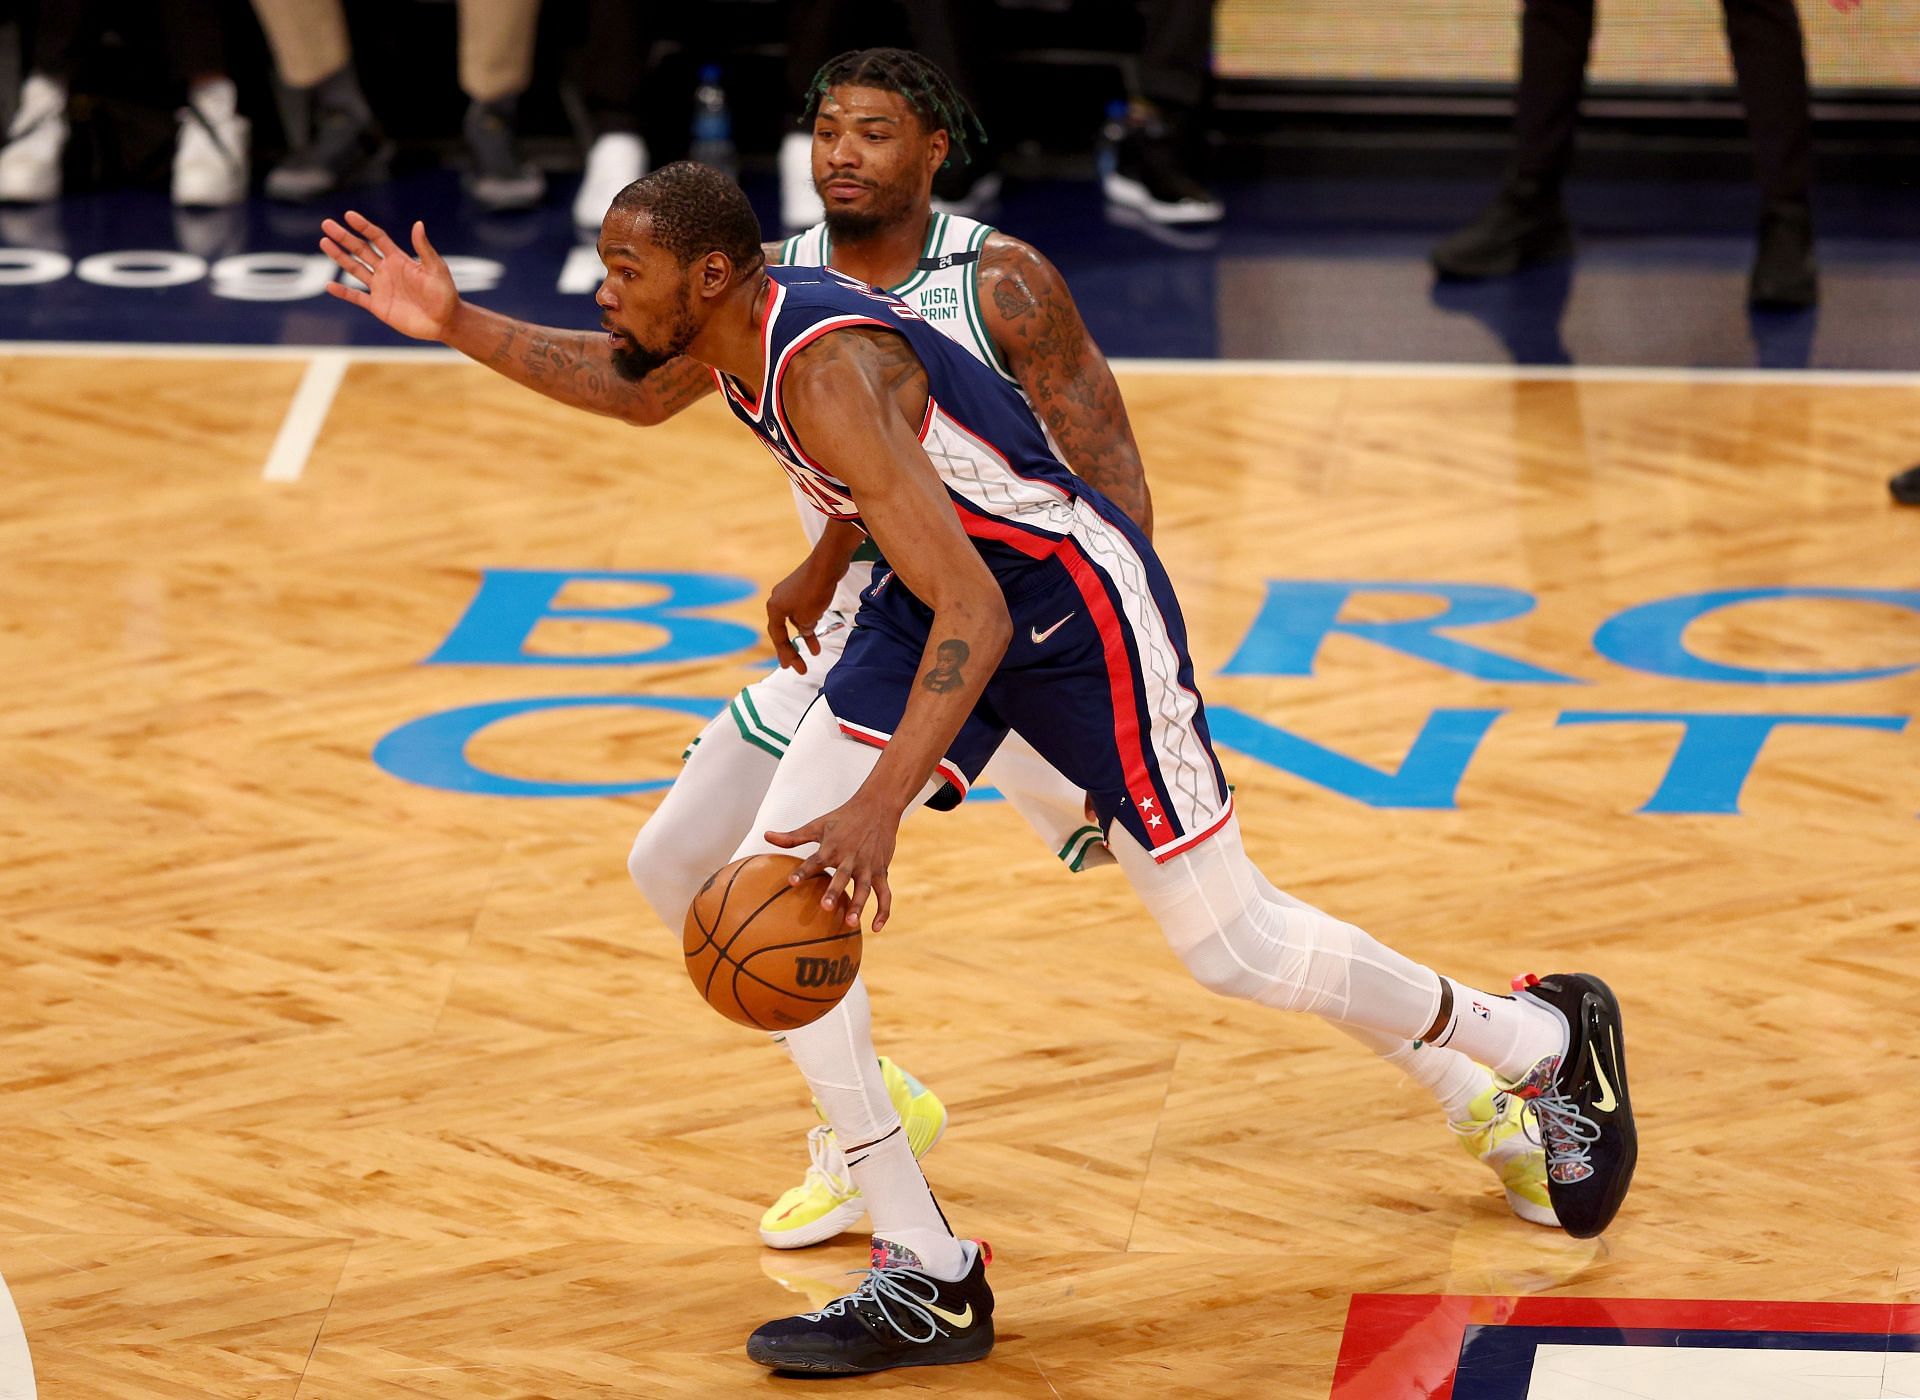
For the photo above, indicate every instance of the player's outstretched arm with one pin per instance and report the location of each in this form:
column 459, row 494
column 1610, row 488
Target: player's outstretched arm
column 416, row 296
column 854, row 400
column 1031, row 317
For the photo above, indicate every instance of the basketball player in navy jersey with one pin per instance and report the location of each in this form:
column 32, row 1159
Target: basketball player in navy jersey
column 882, row 123
column 1018, row 598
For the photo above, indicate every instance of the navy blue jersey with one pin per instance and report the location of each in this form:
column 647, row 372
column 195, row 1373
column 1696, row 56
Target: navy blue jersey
column 1012, row 494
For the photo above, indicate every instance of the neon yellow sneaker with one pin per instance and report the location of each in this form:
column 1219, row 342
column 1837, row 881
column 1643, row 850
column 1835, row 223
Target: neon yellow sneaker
column 1496, row 1134
column 826, row 1202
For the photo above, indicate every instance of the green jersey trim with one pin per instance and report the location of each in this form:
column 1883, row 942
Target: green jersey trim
column 936, row 234
column 1078, row 844
column 755, row 730
column 976, row 321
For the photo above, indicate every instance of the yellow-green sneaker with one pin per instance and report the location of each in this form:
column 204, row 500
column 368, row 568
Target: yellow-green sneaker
column 1496, row 1134
column 826, row 1202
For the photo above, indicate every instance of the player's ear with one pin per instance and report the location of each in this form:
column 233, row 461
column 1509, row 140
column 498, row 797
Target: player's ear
column 937, row 148
column 716, row 273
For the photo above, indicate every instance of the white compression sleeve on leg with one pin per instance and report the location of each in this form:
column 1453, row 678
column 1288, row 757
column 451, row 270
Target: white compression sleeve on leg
column 1290, row 956
column 822, row 769
column 1454, row 1080
column 701, row 821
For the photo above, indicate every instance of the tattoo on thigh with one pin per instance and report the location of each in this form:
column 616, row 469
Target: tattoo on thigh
column 945, row 673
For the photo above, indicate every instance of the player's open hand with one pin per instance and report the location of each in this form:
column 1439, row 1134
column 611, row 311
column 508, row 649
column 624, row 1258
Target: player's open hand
column 856, row 845
column 414, row 295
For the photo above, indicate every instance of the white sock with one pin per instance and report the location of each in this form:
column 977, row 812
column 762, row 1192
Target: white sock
column 1454, row 1080
column 836, row 1055
column 1507, row 1034
column 902, row 1206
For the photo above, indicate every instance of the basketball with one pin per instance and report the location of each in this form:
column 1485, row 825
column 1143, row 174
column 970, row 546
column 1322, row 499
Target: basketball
column 762, row 951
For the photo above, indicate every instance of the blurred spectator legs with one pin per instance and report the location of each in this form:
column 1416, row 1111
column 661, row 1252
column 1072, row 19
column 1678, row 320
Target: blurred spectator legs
column 339, row 139
column 37, row 135
column 1527, row 222
column 1161, row 156
column 334, row 136
column 612, row 73
column 210, row 159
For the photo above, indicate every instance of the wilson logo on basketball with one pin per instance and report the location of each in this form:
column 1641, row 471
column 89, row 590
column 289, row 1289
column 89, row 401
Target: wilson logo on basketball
column 822, row 972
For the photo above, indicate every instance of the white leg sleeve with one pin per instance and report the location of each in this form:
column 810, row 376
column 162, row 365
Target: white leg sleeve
column 822, row 769
column 701, row 820
column 1211, row 904
column 1453, row 1079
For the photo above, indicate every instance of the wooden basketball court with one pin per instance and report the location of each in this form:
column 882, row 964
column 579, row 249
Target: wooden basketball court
column 323, row 1083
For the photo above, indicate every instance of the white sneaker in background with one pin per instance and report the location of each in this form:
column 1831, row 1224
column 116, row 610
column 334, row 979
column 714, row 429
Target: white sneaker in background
column 210, row 161
column 36, row 139
column 616, row 160
column 800, row 205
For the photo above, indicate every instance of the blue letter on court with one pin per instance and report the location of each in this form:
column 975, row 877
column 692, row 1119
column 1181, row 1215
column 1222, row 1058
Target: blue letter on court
column 1718, row 751
column 512, row 602
column 432, row 750
column 1428, row 777
column 1652, row 637
column 1301, row 613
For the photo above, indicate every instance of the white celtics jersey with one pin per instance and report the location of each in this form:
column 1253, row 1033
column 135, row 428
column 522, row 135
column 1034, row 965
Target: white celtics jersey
column 945, row 290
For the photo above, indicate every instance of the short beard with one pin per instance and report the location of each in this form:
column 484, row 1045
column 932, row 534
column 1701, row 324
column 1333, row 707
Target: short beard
column 888, row 208
column 635, row 361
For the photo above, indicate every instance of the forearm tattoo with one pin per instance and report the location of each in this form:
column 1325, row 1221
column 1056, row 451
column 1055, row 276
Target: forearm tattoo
column 945, row 674
column 1047, row 347
column 577, row 369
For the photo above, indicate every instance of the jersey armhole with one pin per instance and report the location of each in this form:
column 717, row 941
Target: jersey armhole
column 977, row 321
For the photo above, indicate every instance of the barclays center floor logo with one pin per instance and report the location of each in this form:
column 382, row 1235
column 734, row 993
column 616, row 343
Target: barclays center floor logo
column 1714, row 746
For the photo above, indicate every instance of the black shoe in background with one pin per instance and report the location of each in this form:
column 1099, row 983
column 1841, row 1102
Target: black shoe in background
column 498, row 178
column 346, row 147
column 1152, row 175
column 1526, row 224
column 1906, row 487
column 899, row 1316
column 1784, row 272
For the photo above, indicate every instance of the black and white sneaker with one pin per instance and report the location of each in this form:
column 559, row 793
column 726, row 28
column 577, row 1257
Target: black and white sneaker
column 1149, row 176
column 899, row 1316
column 1579, row 1102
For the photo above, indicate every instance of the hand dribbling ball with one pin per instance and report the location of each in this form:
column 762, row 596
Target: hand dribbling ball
column 762, row 951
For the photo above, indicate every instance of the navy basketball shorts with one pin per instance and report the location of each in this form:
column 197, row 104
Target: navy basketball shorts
column 1097, row 678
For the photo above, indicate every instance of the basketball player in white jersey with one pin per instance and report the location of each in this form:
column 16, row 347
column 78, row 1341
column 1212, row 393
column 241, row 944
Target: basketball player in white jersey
column 882, row 121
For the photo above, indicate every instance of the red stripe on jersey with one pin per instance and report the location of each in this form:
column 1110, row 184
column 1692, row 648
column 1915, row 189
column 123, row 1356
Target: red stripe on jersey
column 989, row 527
column 878, row 740
column 1126, row 717
column 774, row 298
column 1162, row 854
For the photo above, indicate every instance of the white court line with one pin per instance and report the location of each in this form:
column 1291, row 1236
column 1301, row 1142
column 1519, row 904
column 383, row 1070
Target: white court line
column 16, row 1365
column 305, row 415
column 1280, row 369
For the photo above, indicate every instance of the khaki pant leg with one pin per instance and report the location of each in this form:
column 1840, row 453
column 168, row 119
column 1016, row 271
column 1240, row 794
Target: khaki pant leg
column 496, row 47
column 308, row 38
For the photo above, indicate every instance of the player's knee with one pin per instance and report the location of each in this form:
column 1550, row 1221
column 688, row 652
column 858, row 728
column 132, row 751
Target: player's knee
column 666, row 874
column 1217, row 966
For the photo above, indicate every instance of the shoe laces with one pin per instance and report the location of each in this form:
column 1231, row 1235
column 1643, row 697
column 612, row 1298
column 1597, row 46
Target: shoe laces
column 890, row 1288
column 826, row 1163
column 1566, row 1133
